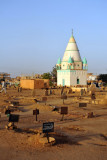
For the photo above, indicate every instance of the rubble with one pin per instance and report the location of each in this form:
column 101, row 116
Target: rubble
column 11, row 126
column 90, row 115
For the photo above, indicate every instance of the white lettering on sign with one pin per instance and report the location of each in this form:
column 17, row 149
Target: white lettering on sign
column 48, row 127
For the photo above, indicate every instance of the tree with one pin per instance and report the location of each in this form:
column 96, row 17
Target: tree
column 47, row 76
column 54, row 73
column 103, row 77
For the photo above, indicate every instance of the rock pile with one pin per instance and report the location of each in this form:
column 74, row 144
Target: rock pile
column 11, row 126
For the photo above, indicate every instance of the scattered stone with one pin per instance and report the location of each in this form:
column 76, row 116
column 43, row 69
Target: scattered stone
column 44, row 140
column 46, row 92
column 90, row 115
column 69, row 91
column 11, row 126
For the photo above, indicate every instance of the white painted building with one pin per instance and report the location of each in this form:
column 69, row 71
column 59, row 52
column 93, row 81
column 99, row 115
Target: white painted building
column 71, row 70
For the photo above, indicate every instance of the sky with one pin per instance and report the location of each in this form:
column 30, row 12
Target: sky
column 35, row 33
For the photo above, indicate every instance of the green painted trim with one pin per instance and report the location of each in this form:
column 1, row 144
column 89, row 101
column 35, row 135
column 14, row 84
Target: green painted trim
column 73, row 62
column 71, row 50
column 66, row 70
column 78, row 61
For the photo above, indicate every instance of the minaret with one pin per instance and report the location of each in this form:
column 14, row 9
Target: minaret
column 71, row 71
column 72, row 50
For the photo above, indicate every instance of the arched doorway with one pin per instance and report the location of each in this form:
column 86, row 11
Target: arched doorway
column 78, row 81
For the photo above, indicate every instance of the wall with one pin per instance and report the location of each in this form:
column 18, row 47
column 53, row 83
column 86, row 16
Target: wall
column 71, row 76
column 63, row 74
column 27, row 83
column 31, row 83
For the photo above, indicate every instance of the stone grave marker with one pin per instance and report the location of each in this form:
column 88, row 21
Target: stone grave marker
column 13, row 118
column 64, row 110
column 36, row 112
column 82, row 104
column 48, row 127
column 44, row 99
column 46, row 92
column 14, row 103
column 8, row 111
column 64, row 97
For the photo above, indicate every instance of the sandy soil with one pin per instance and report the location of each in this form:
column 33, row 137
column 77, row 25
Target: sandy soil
column 77, row 137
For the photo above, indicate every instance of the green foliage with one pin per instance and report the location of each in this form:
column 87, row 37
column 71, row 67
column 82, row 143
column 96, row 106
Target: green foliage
column 51, row 76
column 47, row 76
column 103, row 77
column 50, row 83
column 54, row 74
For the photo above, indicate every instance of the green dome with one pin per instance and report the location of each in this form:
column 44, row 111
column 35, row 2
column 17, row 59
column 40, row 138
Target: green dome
column 59, row 61
column 84, row 61
column 70, row 60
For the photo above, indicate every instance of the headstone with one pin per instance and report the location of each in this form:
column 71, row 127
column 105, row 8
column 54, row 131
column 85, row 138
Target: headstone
column 44, row 99
column 64, row 97
column 53, row 92
column 50, row 91
column 36, row 111
column 33, row 92
column 13, row 118
column 90, row 115
column 93, row 96
column 64, row 110
column 46, row 92
column 82, row 104
column 48, row 127
column 62, row 90
column 69, row 91
column 8, row 111
column 35, row 100
column 14, row 103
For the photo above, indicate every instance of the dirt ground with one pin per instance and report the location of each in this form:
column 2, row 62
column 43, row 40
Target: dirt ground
column 77, row 136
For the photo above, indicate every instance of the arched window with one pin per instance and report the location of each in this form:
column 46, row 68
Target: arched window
column 78, row 81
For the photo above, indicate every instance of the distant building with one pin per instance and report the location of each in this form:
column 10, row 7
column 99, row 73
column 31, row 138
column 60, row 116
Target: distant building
column 34, row 83
column 4, row 76
column 71, row 70
column 35, row 76
column 91, row 77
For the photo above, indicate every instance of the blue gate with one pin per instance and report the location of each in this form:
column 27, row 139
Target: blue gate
column 63, row 82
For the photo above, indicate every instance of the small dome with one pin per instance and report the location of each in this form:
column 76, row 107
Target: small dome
column 70, row 60
column 84, row 61
column 59, row 61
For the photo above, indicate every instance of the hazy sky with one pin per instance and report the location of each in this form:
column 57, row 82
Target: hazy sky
column 35, row 33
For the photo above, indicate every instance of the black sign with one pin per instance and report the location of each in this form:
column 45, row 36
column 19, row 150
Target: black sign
column 15, row 103
column 63, row 97
column 35, row 100
column 44, row 99
column 13, row 118
column 82, row 104
column 7, row 111
column 64, row 110
column 36, row 111
column 48, row 127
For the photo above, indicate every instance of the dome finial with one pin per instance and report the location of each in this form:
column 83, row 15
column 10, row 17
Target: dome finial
column 72, row 32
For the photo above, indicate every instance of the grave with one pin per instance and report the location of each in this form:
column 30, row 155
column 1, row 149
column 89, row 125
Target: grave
column 48, row 127
column 36, row 112
column 44, row 99
column 64, row 110
column 64, row 97
column 82, row 104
